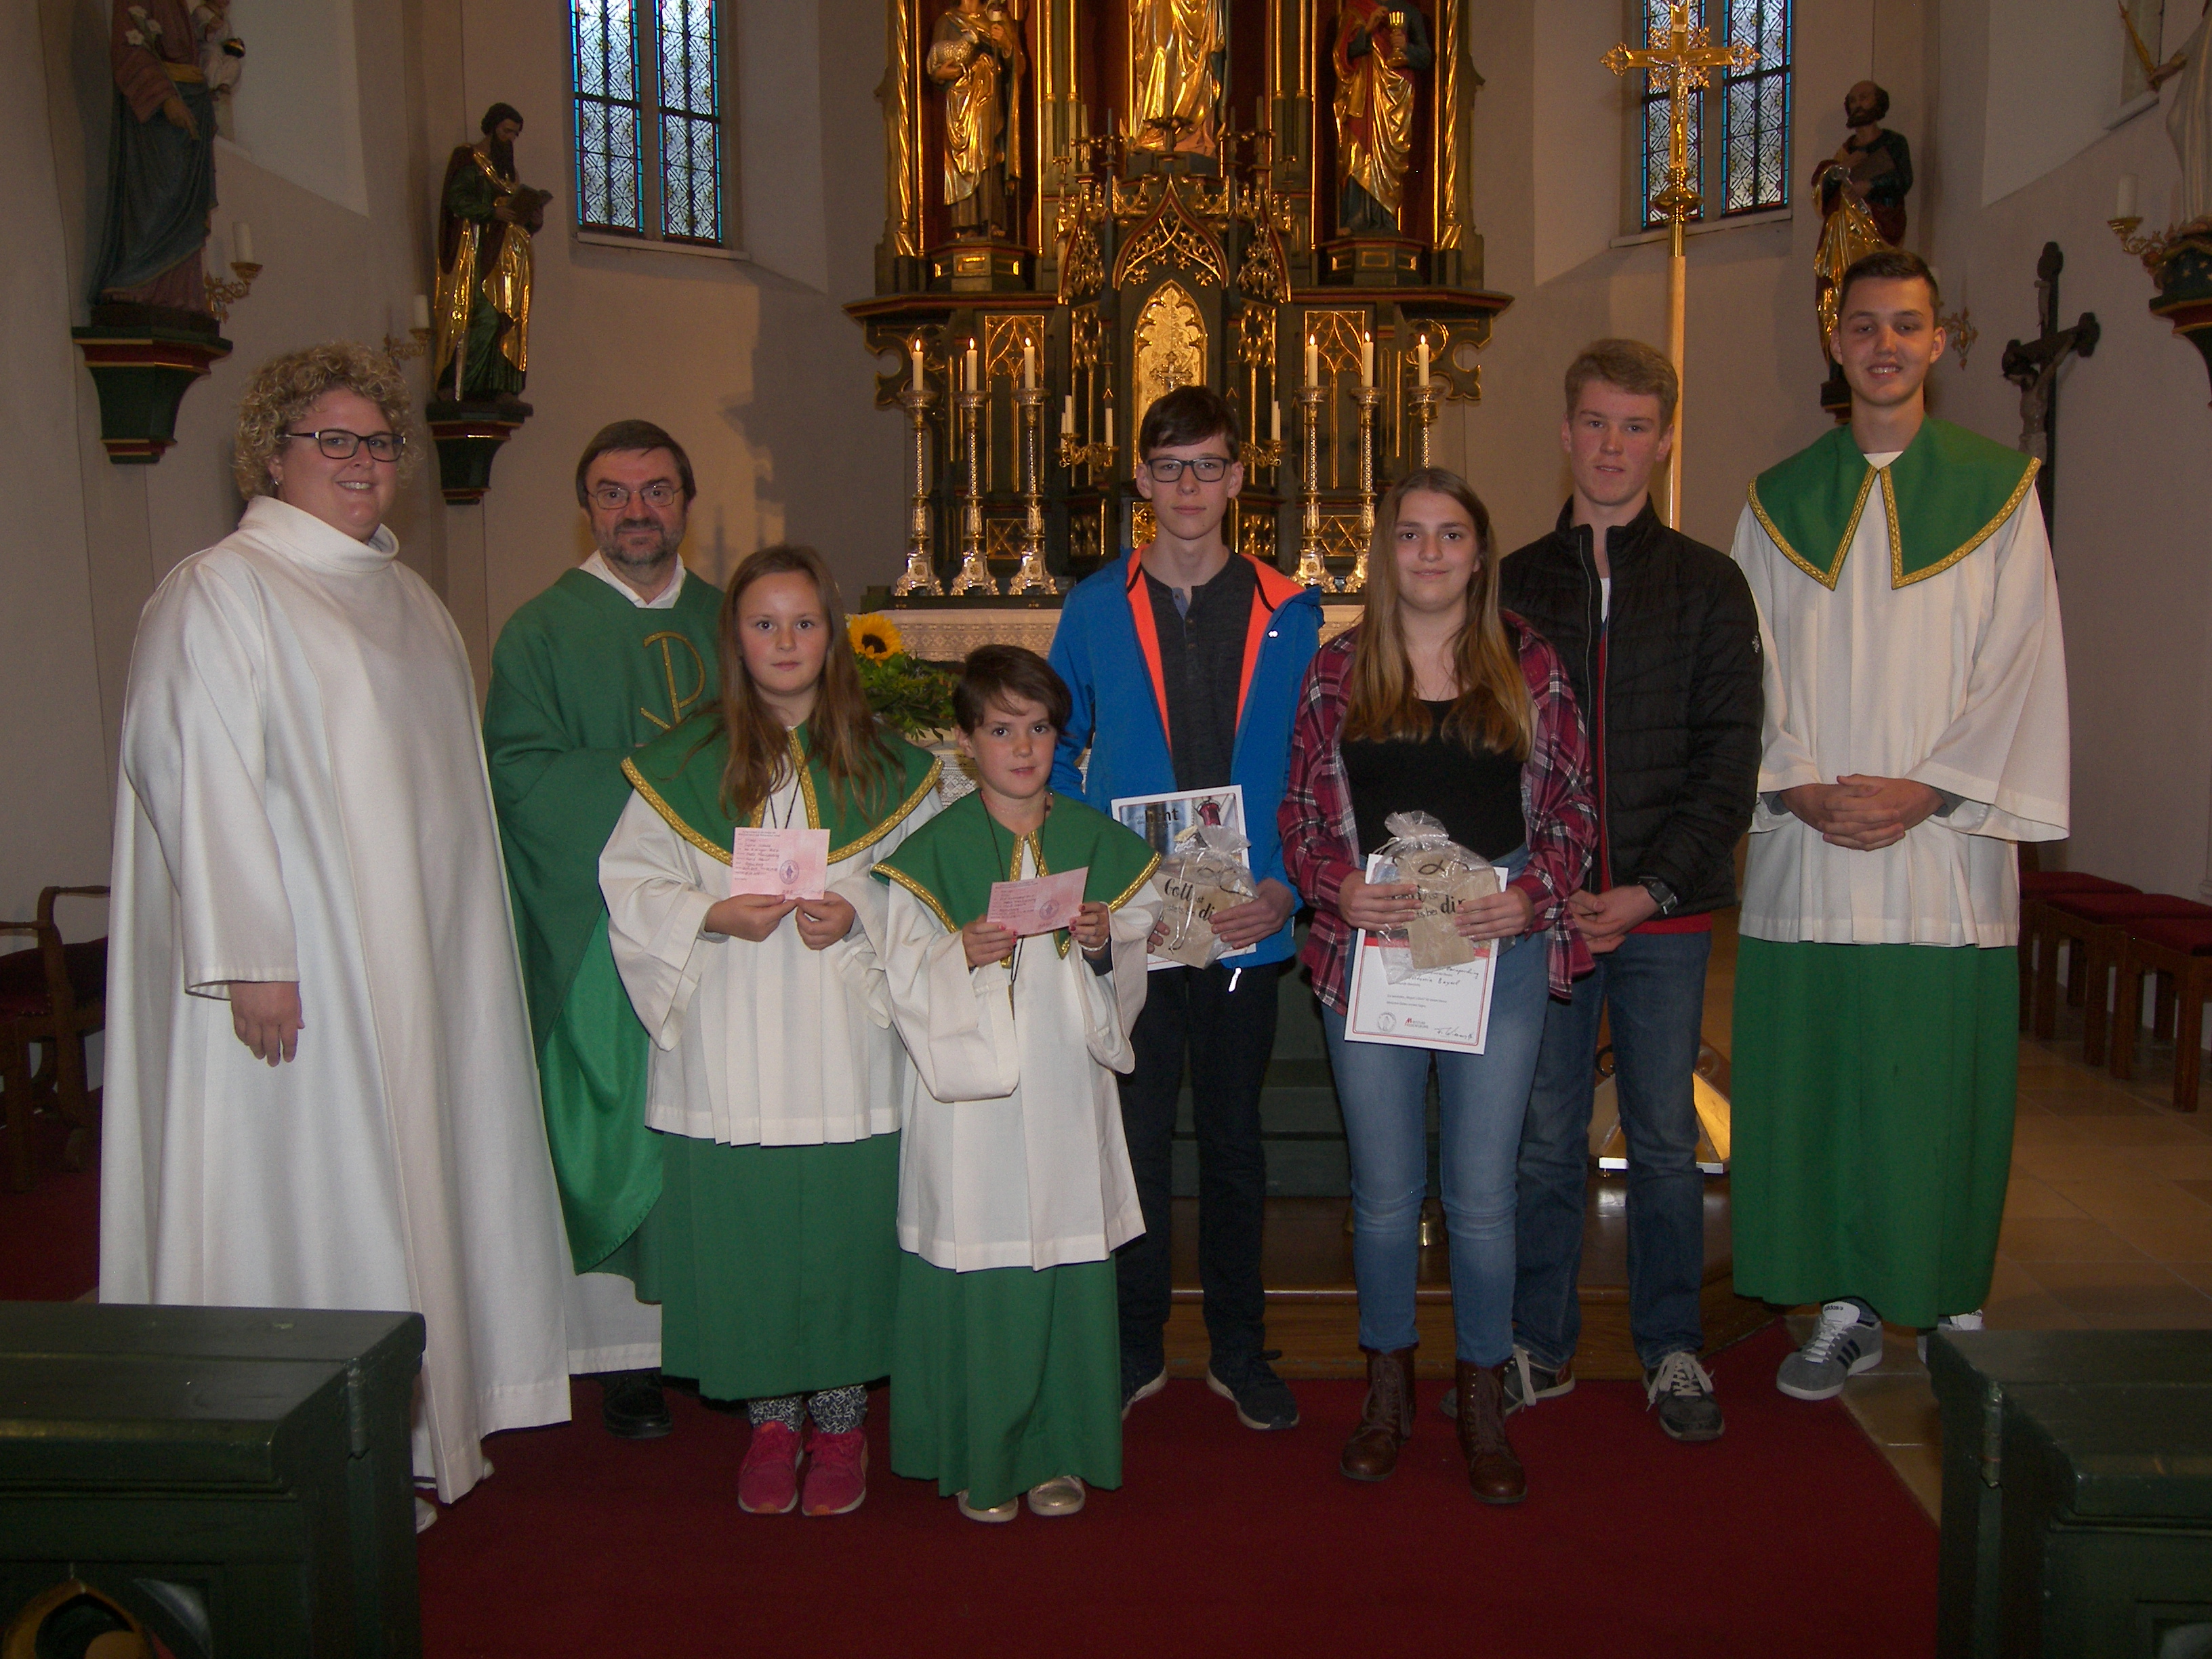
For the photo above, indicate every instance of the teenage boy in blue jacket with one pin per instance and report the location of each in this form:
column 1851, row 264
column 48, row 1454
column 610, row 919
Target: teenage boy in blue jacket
column 1184, row 662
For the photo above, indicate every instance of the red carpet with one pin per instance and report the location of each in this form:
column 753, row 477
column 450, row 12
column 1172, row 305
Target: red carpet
column 1222, row 1541
column 50, row 1235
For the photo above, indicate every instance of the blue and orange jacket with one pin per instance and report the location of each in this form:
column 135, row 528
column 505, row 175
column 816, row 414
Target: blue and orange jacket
column 1107, row 650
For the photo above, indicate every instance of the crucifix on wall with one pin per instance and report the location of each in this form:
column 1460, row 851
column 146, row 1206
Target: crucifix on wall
column 2033, row 366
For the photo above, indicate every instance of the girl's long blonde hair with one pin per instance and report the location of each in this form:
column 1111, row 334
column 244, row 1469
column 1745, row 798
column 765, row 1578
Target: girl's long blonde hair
column 842, row 732
column 1491, row 708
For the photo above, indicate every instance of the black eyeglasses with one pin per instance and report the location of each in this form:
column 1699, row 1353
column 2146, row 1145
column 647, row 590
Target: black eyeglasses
column 612, row 497
column 1207, row 469
column 342, row 445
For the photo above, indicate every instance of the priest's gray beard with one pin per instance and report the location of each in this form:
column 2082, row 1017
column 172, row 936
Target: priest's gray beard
column 633, row 559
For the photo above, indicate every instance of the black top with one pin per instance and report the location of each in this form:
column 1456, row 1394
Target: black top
column 1201, row 663
column 1475, row 793
column 1668, row 684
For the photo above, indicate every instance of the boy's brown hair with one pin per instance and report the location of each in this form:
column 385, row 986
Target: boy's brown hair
column 1001, row 674
column 1631, row 365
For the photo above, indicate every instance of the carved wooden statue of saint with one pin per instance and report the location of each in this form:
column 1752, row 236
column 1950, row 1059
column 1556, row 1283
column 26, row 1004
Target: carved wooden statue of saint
column 1862, row 188
column 976, row 55
column 160, row 169
column 1178, row 51
column 1375, row 46
column 486, row 218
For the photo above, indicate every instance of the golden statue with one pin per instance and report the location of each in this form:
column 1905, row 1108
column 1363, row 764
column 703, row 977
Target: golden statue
column 977, row 57
column 1178, row 52
column 1376, row 45
column 486, row 218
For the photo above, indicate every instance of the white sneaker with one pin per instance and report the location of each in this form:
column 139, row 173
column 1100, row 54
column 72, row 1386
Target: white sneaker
column 1846, row 1343
column 1964, row 1322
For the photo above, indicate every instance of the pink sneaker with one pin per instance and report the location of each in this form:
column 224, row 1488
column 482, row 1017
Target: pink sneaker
column 768, row 1483
column 836, row 1472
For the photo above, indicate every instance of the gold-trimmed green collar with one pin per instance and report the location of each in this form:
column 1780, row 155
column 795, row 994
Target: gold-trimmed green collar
column 1949, row 492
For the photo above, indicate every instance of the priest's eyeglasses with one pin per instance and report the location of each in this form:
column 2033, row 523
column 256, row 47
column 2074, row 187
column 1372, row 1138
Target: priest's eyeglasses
column 341, row 445
column 613, row 497
column 1207, row 469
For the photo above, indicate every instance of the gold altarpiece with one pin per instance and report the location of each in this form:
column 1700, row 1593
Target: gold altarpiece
column 1119, row 196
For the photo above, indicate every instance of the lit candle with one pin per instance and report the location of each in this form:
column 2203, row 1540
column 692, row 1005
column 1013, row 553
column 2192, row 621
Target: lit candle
column 1366, row 362
column 422, row 311
column 1275, row 421
column 1067, row 413
column 971, row 366
column 2125, row 206
column 1029, row 366
column 1313, row 363
column 914, row 353
column 1421, row 358
column 241, row 242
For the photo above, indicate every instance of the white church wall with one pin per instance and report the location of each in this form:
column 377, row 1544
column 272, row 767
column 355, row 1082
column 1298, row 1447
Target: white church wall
column 2133, row 541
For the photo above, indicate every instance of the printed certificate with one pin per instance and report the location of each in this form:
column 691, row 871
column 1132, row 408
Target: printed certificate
column 1158, row 819
column 1440, row 1008
column 1043, row 904
column 789, row 863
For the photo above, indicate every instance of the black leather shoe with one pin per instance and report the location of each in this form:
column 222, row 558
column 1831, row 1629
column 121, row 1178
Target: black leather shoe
column 632, row 1406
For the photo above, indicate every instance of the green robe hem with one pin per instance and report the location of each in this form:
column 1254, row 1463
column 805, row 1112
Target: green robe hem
column 591, row 1078
column 1873, row 1092
column 1006, row 1378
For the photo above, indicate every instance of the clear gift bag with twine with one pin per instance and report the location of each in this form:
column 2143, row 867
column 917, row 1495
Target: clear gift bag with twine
column 1204, row 874
column 1445, row 876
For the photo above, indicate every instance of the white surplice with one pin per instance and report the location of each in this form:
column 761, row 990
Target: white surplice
column 1957, row 681
column 1014, row 1154
column 755, row 1044
column 303, row 796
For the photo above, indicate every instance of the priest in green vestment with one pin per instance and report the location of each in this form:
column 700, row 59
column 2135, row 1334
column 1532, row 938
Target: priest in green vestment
column 1915, row 730
column 616, row 652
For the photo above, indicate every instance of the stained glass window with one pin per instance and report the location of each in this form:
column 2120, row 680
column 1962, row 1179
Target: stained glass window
column 1657, row 14
column 690, row 122
column 610, row 184
column 1755, row 110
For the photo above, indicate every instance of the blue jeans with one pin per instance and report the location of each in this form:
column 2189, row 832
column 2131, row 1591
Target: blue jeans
column 1652, row 987
column 1383, row 1092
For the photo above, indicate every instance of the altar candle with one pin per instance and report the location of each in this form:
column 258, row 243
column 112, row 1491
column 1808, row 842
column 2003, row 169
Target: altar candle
column 971, row 365
column 2125, row 207
column 1313, row 362
column 913, row 352
column 1275, row 421
column 241, row 242
column 1067, row 413
column 1421, row 358
column 1110, row 426
column 1366, row 362
column 421, row 311
column 1029, row 366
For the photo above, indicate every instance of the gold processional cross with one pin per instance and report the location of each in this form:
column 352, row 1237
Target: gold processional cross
column 1677, row 59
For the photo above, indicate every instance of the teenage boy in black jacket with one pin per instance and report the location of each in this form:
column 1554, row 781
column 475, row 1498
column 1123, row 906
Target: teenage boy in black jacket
column 1661, row 638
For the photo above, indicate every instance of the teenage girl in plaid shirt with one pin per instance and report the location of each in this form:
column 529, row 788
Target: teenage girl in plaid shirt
column 1439, row 702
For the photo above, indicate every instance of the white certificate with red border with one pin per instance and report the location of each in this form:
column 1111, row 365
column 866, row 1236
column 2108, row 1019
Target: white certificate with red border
column 1442, row 1008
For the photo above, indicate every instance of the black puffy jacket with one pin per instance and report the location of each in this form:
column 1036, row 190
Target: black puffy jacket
column 1677, row 735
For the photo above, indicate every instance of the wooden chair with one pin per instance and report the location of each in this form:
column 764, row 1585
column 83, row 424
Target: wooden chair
column 2037, row 888
column 2092, row 926
column 53, row 995
column 2178, row 949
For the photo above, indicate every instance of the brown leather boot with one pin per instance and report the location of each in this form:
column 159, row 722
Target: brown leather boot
column 1492, row 1470
column 1386, row 1421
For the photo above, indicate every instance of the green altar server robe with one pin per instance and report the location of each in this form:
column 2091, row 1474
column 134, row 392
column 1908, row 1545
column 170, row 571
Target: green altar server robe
column 581, row 678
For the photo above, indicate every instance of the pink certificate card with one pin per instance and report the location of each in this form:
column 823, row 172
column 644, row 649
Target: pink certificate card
column 789, row 863
column 1043, row 904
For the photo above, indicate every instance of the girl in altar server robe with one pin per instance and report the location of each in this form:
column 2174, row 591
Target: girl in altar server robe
column 1015, row 1188
column 776, row 1080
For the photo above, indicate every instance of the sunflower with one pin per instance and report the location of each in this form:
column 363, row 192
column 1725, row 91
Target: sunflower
column 875, row 635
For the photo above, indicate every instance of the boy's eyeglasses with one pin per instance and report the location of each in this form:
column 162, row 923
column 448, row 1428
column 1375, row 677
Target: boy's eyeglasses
column 1207, row 469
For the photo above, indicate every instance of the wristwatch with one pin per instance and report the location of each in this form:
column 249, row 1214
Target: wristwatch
column 1662, row 894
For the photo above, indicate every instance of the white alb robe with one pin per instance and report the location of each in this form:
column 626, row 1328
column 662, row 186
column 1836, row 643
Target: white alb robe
column 1014, row 1154
column 303, row 797
column 1957, row 681
column 755, row 1044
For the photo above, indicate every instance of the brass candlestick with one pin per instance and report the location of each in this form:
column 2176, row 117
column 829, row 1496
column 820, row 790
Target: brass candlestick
column 221, row 295
column 920, row 574
column 974, row 576
column 1366, row 398
column 1074, row 452
column 1424, row 399
column 1261, row 456
column 1032, row 577
column 400, row 351
column 1312, row 571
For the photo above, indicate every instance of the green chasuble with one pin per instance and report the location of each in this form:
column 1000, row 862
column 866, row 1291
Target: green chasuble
column 581, row 677
column 1949, row 492
column 950, row 863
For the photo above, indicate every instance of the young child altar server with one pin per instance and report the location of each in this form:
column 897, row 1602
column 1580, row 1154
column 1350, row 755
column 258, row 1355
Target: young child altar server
column 1015, row 1186
column 775, row 1079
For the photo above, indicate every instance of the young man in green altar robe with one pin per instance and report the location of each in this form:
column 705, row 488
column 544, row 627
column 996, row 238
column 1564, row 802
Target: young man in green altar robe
column 1916, row 729
column 617, row 652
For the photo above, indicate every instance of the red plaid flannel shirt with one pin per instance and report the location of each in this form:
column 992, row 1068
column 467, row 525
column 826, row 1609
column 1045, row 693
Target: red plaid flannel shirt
column 1559, row 805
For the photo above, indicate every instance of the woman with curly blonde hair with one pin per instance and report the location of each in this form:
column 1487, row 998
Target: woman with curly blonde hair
column 321, row 1093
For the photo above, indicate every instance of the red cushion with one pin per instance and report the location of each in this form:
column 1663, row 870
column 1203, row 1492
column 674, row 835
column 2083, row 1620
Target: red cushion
column 2190, row 936
column 2126, row 906
column 2041, row 884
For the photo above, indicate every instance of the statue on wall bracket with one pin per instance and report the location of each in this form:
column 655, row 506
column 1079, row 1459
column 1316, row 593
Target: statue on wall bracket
column 977, row 57
column 1861, row 189
column 1376, row 45
column 487, row 217
column 1178, row 63
column 161, row 173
